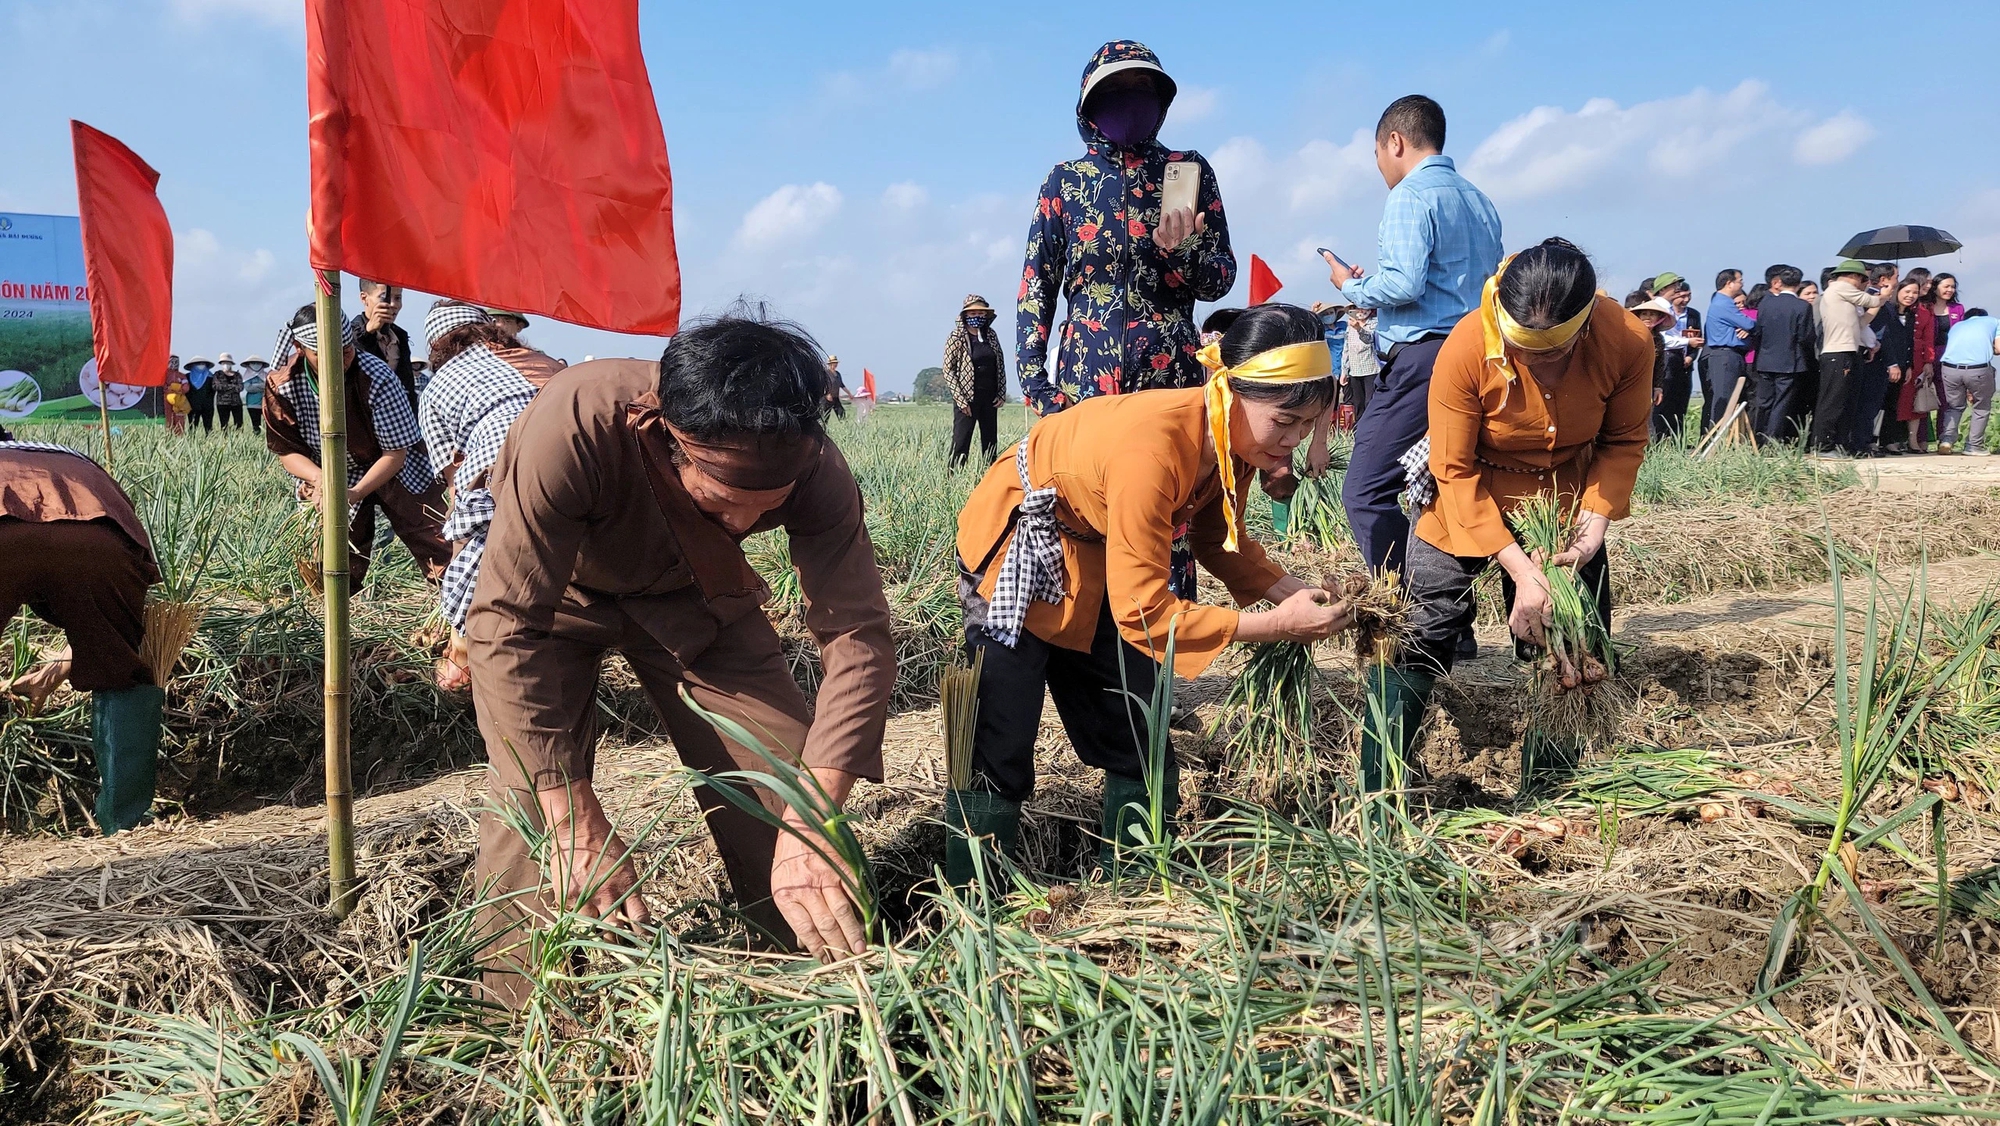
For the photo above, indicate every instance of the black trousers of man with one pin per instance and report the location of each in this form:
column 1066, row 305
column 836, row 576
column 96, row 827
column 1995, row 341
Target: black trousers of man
column 987, row 418
column 1725, row 367
column 1104, row 724
column 201, row 406
column 1831, row 428
column 1399, row 415
column 1871, row 398
column 1777, row 397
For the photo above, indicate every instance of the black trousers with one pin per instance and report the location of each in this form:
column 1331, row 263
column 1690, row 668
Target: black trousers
column 201, row 406
column 1439, row 589
column 988, row 419
column 1670, row 413
column 230, row 414
column 1725, row 367
column 256, row 419
column 1104, row 724
column 1777, row 398
column 1871, row 394
column 1831, row 428
column 1399, row 414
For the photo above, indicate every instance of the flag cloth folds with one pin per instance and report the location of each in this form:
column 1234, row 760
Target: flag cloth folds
column 505, row 153
column 868, row 385
column 128, row 259
column 1264, row 284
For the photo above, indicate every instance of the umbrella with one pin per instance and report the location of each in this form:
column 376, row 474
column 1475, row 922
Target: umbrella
column 1900, row 242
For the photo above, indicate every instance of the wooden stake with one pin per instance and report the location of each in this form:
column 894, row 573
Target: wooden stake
column 341, row 890
column 104, row 412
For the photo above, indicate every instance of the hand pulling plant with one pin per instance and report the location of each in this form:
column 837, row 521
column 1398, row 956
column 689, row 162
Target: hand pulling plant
column 1575, row 689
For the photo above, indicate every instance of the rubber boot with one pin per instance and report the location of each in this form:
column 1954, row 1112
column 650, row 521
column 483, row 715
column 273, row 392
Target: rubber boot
column 1129, row 803
column 988, row 817
column 1402, row 695
column 125, row 736
column 1281, row 517
column 1546, row 760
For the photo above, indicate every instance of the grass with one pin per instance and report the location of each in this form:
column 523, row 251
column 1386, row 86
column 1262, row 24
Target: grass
column 1281, row 964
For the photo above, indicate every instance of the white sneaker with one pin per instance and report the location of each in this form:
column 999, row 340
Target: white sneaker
column 1979, row 451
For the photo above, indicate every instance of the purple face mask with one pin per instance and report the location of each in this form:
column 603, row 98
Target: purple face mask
column 1128, row 117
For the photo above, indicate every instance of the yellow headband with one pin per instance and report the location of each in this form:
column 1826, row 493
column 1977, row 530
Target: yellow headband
column 1291, row 363
column 1501, row 329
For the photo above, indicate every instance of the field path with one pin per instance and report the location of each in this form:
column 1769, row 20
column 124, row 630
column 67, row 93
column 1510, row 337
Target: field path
column 633, row 774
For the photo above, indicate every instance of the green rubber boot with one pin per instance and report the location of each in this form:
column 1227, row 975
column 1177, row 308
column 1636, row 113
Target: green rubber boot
column 976, row 814
column 1281, row 517
column 125, row 737
column 1402, row 696
column 1128, row 803
column 1546, row 760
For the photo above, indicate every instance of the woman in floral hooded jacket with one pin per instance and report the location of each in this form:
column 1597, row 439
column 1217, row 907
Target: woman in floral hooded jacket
column 1131, row 303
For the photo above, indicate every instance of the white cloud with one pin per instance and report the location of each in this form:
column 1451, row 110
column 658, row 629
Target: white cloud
column 1833, row 140
column 1195, row 103
column 1496, row 43
column 228, row 298
column 923, row 70
column 906, row 196
column 282, row 12
column 793, row 212
column 1319, row 174
column 1550, row 149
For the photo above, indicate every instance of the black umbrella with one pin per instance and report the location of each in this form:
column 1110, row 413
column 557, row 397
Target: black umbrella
column 1900, row 242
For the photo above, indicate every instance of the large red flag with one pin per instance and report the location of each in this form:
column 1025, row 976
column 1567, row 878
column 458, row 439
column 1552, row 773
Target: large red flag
column 506, row 152
column 868, row 385
column 128, row 259
column 1264, row 284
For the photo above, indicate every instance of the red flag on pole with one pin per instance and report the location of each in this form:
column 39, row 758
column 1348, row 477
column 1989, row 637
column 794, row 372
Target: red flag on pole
column 128, row 259
column 1264, row 284
column 868, row 385
column 503, row 153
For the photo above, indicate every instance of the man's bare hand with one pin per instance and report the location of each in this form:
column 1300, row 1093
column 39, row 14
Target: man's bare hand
column 813, row 895
column 39, row 683
column 1340, row 274
column 589, row 864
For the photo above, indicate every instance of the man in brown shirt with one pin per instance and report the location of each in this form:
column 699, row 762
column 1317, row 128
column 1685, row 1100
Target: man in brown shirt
column 616, row 525
column 73, row 551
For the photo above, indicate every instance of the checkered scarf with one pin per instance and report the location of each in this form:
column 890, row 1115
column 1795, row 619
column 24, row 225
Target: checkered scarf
column 291, row 339
column 1422, row 488
column 45, row 448
column 468, row 408
column 1033, row 568
column 389, row 410
column 447, row 314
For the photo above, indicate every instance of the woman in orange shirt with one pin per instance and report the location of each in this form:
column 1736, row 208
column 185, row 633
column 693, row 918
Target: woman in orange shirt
column 1550, row 387
column 1063, row 556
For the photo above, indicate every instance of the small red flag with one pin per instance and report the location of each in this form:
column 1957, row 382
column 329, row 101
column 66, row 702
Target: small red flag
column 868, row 385
column 1264, row 284
column 508, row 154
column 128, row 259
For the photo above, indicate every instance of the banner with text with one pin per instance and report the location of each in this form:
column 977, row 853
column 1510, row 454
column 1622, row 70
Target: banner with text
column 45, row 358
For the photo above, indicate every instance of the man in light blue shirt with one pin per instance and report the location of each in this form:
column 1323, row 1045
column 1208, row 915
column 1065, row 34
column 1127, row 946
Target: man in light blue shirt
column 1439, row 242
column 1967, row 371
column 1724, row 335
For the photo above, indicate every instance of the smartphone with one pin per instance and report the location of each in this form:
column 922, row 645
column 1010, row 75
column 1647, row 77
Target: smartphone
column 1335, row 257
column 1180, row 186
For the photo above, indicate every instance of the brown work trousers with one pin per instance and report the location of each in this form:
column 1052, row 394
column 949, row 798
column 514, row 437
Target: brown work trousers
column 741, row 675
column 86, row 578
column 418, row 519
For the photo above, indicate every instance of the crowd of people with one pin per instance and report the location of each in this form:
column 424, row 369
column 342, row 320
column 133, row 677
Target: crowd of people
column 566, row 512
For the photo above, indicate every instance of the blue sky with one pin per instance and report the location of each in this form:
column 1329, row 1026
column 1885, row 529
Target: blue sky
column 863, row 167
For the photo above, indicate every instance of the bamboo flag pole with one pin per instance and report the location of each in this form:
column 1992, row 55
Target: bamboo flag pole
column 341, row 888
column 104, row 412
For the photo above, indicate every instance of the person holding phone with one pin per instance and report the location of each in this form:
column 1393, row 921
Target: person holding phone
column 1439, row 242
column 1104, row 238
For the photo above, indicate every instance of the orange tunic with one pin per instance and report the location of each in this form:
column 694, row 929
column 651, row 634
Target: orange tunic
column 1493, row 443
column 1126, row 468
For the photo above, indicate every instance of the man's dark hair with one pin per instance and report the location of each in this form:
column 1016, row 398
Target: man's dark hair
column 1771, row 273
column 1547, row 284
column 1975, row 312
column 1881, row 270
column 368, row 286
column 1219, row 320
column 306, row 316
column 1274, row 325
column 1419, row 119
column 744, row 372
column 1826, row 277
column 1638, row 297
column 1791, row 276
column 1726, row 276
